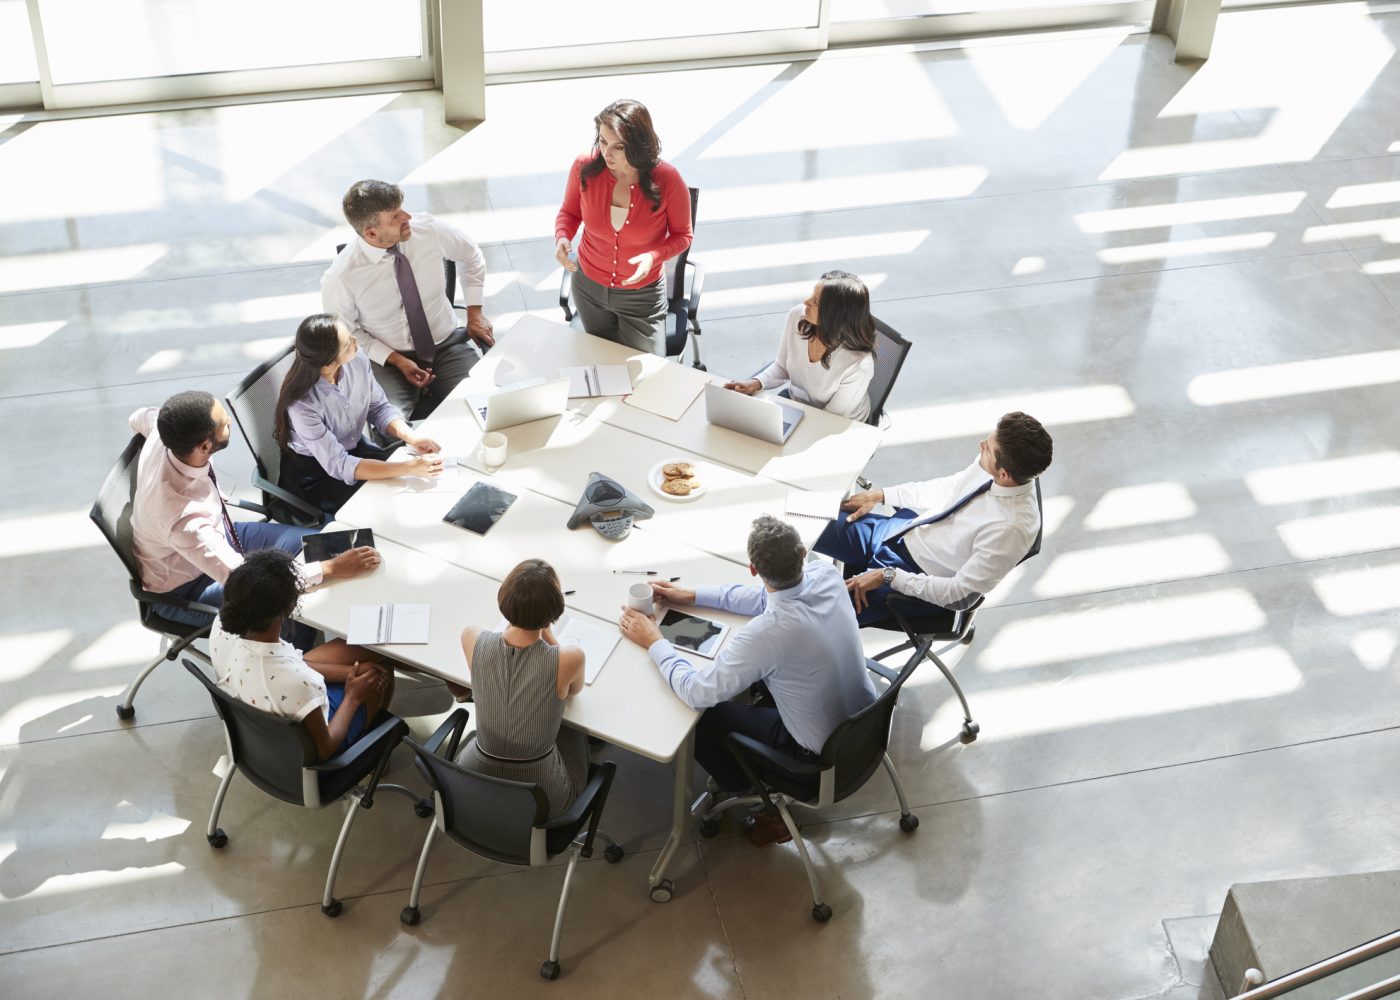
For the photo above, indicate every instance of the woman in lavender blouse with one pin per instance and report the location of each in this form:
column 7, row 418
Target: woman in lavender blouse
column 326, row 399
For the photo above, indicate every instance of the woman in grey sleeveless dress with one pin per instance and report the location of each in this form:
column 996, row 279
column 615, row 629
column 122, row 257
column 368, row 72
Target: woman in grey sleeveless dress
column 520, row 680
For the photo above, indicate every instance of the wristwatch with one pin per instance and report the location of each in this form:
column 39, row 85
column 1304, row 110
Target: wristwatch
column 888, row 576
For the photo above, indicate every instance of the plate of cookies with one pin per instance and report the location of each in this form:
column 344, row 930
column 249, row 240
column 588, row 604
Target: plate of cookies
column 676, row 480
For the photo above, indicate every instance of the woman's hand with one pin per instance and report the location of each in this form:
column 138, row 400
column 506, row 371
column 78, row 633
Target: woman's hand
column 422, row 445
column 562, row 249
column 643, row 262
column 748, row 387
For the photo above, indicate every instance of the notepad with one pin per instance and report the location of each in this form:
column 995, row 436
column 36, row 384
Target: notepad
column 597, row 380
column 668, row 391
column 375, row 624
column 822, row 504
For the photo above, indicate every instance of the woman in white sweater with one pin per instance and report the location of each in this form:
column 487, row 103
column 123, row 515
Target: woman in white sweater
column 827, row 352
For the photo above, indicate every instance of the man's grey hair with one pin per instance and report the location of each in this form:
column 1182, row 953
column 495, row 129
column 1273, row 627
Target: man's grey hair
column 366, row 199
column 776, row 552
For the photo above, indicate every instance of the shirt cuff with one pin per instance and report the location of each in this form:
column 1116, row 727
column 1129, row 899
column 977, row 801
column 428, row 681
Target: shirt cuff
column 659, row 650
column 900, row 585
column 377, row 350
column 474, row 297
column 894, row 496
column 312, row 574
column 708, row 596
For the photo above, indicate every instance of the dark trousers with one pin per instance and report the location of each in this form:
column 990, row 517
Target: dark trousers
column 633, row 317
column 760, row 722
column 303, row 475
column 861, row 546
column 452, row 360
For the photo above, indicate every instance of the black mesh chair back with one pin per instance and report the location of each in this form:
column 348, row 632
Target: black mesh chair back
column 112, row 510
column 270, row 751
column 492, row 817
column 678, row 322
column 857, row 746
column 890, row 351
column 254, row 407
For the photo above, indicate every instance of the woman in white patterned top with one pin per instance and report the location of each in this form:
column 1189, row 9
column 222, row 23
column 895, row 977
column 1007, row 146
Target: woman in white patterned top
column 827, row 351
column 335, row 690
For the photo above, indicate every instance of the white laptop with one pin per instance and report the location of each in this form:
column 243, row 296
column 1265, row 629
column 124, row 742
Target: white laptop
column 757, row 417
column 520, row 403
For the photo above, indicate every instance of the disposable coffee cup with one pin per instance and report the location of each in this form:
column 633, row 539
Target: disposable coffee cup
column 493, row 448
column 639, row 597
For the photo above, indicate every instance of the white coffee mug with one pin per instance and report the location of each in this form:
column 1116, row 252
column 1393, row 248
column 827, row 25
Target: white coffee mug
column 639, row 597
column 493, row 448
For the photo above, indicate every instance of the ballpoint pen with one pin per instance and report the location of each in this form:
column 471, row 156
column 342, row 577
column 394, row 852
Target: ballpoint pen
column 637, row 572
column 674, row 579
column 569, row 593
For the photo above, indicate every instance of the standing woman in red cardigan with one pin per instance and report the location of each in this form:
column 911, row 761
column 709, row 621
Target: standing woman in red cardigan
column 635, row 212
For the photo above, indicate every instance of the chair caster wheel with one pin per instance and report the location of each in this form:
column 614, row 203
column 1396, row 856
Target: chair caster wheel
column 709, row 828
column 218, row 838
column 410, row 915
column 126, row 712
column 422, row 808
column 661, row 892
column 700, row 367
column 969, row 732
column 909, row 823
column 821, row 913
column 967, row 639
column 334, row 909
column 613, row 854
column 550, row 970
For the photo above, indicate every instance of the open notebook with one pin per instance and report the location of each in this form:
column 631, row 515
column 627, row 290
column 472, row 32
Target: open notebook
column 376, row 624
column 598, row 639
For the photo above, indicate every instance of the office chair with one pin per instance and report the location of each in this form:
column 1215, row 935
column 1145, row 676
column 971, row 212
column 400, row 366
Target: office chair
column 507, row 821
column 890, row 352
column 112, row 514
column 849, row 757
column 924, row 624
column 684, row 307
column 279, row 756
column 253, row 403
column 449, row 275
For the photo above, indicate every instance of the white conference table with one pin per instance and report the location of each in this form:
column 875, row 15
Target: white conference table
column 427, row 561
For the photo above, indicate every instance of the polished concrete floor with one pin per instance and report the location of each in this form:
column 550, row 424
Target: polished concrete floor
column 1189, row 275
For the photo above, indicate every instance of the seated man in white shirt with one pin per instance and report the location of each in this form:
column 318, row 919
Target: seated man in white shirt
column 950, row 540
column 387, row 285
column 803, row 645
column 183, row 538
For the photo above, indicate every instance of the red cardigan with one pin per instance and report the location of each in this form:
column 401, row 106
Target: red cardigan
column 603, row 253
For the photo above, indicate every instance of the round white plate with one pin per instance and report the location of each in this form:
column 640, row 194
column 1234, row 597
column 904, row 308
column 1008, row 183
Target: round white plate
column 656, row 477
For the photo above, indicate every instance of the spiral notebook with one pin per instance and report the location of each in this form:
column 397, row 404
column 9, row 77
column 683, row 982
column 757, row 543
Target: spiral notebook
column 822, row 504
column 376, row 624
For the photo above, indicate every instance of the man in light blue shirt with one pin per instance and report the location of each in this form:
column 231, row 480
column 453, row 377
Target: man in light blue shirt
column 803, row 644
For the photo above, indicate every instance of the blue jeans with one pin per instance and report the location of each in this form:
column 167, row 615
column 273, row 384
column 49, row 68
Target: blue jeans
column 252, row 535
column 861, row 546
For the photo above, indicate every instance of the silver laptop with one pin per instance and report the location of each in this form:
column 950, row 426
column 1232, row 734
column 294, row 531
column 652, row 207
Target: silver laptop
column 519, row 403
column 757, row 417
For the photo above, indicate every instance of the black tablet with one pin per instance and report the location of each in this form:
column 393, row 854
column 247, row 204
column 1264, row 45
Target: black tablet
column 329, row 544
column 699, row 635
column 480, row 507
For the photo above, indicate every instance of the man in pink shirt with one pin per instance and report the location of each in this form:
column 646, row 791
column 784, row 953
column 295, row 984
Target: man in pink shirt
column 183, row 538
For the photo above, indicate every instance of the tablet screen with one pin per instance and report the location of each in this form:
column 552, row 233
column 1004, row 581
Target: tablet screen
column 699, row 635
column 329, row 544
column 480, row 507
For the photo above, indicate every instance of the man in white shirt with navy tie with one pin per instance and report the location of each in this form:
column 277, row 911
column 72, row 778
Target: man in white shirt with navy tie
column 387, row 285
column 950, row 540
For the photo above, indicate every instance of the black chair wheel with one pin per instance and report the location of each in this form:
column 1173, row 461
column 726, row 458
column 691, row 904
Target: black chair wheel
column 821, row 913
column 422, row 808
column 218, row 838
column 662, row 891
column 613, row 854
column 410, row 915
column 967, row 639
column 709, row 828
column 126, row 712
column 334, row 909
column 550, row 970
column 701, row 367
column 909, row 823
column 969, row 733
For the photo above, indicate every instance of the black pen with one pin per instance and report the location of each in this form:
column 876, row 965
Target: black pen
column 570, row 593
column 674, row 579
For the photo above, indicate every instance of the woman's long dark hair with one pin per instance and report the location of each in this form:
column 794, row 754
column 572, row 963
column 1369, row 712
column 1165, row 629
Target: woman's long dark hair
column 843, row 314
column 317, row 345
column 632, row 123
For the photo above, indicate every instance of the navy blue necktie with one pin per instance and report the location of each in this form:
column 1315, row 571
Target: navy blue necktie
column 919, row 522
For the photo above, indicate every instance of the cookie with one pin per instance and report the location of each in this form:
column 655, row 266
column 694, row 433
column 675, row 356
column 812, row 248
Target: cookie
column 676, row 487
column 678, row 470
column 692, row 481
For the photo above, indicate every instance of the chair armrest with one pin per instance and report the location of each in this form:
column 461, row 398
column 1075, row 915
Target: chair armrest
column 748, row 752
column 146, row 597
column 256, row 508
column 380, row 740
column 589, row 804
column 566, row 288
column 451, row 726
column 697, row 285
column 290, row 499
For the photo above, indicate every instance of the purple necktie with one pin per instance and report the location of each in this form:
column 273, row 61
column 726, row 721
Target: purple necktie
column 228, row 521
column 423, row 345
